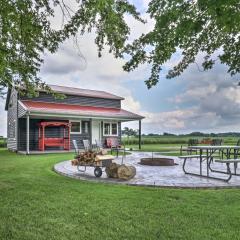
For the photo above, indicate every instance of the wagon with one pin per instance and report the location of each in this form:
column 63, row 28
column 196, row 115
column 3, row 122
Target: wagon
column 100, row 162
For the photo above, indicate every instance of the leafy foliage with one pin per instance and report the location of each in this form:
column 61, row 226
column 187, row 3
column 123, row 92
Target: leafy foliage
column 189, row 27
column 129, row 132
column 26, row 33
column 186, row 26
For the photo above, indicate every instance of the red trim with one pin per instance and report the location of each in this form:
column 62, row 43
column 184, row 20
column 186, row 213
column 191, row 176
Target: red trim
column 62, row 108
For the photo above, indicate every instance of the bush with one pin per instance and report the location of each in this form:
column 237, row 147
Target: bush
column 3, row 143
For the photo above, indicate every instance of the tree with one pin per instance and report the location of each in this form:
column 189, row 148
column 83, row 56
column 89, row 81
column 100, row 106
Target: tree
column 188, row 27
column 129, row 132
column 26, row 32
column 184, row 26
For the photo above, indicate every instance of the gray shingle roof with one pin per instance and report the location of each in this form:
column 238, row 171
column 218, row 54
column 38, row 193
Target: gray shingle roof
column 84, row 92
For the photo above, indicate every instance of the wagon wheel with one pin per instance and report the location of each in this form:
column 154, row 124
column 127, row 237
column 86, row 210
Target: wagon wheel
column 98, row 172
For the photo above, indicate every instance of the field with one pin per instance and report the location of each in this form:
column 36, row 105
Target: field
column 167, row 144
column 37, row 203
column 174, row 140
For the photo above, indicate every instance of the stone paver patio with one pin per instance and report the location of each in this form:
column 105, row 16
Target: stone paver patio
column 161, row 176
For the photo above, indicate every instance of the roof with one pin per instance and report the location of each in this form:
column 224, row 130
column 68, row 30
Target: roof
column 84, row 92
column 44, row 108
column 75, row 92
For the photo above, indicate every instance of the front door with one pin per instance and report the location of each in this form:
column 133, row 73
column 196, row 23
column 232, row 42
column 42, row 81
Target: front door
column 96, row 131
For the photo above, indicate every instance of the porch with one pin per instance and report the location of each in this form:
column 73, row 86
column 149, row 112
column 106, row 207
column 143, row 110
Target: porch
column 79, row 123
column 91, row 129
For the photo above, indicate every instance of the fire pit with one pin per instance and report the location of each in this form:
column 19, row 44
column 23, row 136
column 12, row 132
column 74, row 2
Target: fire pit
column 157, row 161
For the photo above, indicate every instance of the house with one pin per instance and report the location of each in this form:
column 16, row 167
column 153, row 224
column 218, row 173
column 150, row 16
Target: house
column 44, row 123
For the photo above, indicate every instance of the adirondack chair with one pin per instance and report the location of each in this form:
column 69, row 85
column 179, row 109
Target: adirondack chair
column 75, row 145
column 87, row 145
column 115, row 146
column 99, row 145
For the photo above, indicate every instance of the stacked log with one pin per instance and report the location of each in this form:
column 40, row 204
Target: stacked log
column 74, row 162
column 124, row 172
column 84, row 158
column 111, row 170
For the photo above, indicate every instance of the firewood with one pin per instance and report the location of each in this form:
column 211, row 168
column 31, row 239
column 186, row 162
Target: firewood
column 74, row 162
column 126, row 172
column 111, row 170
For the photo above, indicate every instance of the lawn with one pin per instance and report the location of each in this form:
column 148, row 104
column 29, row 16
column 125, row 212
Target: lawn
column 156, row 147
column 36, row 203
column 169, row 145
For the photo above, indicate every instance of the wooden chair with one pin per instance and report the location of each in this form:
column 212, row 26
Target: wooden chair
column 115, row 145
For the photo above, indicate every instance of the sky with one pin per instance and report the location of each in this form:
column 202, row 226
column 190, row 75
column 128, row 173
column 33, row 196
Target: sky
column 195, row 101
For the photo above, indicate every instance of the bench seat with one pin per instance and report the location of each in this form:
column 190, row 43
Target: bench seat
column 192, row 156
column 227, row 160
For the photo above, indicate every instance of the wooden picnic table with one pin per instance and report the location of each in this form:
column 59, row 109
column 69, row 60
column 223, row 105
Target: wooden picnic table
column 207, row 153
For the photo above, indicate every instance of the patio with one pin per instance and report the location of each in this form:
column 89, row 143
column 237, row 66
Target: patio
column 155, row 176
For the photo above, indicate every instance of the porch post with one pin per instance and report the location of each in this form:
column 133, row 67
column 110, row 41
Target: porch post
column 90, row 133
column 27, row 135
column 140, row 134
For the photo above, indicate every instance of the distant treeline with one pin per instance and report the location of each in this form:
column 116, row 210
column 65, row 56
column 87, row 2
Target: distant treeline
column 195, row 134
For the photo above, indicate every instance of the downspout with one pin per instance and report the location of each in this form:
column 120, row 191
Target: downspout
column 27, row 133
column 140, row 135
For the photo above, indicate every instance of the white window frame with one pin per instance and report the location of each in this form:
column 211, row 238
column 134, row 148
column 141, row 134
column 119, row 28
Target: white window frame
column 108, row 135
column 80, row 122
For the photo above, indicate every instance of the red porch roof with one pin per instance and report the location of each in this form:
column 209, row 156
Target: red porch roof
column 77, row 110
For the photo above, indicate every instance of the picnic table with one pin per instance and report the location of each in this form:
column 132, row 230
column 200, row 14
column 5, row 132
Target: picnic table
column 207, row 153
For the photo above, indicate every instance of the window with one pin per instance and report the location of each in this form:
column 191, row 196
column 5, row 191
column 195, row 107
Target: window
column 76, row 127
column 110, row 129
column 107, row 130
column 114, row 129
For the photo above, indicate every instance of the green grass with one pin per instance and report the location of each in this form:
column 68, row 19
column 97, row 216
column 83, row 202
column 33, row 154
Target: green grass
column 36, row 203
column 114, row 153
column 174, row 140
column 167, row 144
column 155, row 147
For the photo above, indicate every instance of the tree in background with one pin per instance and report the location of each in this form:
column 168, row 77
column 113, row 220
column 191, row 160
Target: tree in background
column 183, row 27
column 129, row 132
